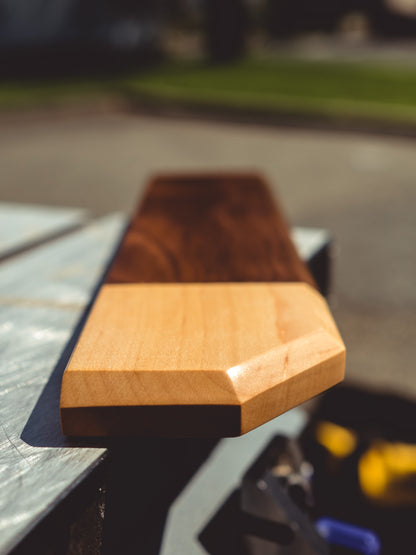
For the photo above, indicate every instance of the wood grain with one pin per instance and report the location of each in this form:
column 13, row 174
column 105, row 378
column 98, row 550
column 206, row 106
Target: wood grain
column 255, row 350
column 208, row 228
column 176, row 345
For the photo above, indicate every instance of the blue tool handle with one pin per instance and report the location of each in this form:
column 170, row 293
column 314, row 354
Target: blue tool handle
column 347, row 535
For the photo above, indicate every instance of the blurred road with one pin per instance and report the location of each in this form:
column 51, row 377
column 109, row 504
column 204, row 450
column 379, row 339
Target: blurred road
column 361, row 188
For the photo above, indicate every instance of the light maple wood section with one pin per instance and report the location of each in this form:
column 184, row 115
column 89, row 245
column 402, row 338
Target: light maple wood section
column 194, row 352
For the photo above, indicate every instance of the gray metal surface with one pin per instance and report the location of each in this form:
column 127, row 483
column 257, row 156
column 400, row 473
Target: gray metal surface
column 309, row 241
column 216, row 480
column 22, row 226
column 42, row 296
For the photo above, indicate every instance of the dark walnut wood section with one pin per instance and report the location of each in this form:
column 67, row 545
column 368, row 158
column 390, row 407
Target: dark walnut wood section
column 192, row 335
column 208, row 228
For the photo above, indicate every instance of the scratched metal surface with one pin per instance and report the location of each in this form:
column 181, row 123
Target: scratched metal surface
column 42, row 297
column 309, row 241
column 22, row 226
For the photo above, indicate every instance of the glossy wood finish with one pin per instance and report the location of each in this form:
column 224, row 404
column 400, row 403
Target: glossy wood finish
column 208, row 228
column 201, row 360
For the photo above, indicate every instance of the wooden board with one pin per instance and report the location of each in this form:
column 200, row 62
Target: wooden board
column 208, row 228
column 198, row 360
column 202, row 360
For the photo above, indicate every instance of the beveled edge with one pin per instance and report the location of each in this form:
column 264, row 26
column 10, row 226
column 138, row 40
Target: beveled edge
column 312, row 363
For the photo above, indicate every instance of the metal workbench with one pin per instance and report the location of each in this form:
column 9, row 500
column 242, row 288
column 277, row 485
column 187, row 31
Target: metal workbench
column 53, row 489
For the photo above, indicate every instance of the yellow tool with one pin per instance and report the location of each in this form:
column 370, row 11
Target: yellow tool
column 387, row 473
column 339, row 441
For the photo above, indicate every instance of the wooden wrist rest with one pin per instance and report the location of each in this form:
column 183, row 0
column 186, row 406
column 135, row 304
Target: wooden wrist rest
column 183, row 340
column 201, row 359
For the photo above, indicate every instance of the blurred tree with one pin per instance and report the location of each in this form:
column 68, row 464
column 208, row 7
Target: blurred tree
column 288, row 17
column 133, row 8
column 285, row 18
column 225, row 26
column 176, row 10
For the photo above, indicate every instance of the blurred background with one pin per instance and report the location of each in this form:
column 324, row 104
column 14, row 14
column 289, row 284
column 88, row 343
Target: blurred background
column 320, row 97
column 96, row 96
